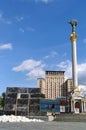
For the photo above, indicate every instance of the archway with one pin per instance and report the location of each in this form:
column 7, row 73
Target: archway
column 77, row 107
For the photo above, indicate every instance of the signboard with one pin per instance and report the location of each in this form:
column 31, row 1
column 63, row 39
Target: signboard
column 76, row 110
column 62, row 108
column 49, row 105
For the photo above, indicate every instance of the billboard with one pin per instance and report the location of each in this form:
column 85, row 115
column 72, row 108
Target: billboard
column 49, row 105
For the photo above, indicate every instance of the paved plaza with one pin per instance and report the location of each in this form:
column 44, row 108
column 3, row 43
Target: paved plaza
column 43, row 126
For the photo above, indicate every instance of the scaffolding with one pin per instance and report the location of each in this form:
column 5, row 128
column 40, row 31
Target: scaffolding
column 22, row 101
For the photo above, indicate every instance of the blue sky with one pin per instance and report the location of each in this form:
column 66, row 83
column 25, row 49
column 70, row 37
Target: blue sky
column 34, row 37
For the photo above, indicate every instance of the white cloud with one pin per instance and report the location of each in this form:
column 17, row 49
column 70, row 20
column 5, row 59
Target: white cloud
column 51, row 55
column 34, row 68
column 38, row 72
column 67, row 67
column 82, row 73
column 82, row 87
column 28, row 29
column 44, row 1
column 27, row 65
column 7, row 46
column 46, row 57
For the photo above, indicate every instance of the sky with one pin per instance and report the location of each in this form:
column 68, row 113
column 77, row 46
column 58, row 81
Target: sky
column 35, row 37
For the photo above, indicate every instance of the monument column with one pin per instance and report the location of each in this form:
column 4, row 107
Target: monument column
column 76, row 94
column 73, row 38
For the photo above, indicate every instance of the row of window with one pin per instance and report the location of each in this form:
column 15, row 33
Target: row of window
column 54, row 72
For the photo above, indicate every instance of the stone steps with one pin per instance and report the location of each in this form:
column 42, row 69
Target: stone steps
column 70, row 117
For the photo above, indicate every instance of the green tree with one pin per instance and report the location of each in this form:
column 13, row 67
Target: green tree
column 42, row 95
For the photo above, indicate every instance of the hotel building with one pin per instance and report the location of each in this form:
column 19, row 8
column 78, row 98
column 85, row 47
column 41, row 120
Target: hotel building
column 54, row 84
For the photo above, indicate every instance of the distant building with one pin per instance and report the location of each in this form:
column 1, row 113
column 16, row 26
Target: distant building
column 22, row 101
column 54, row 84
column 68, row 86
column 41, row 85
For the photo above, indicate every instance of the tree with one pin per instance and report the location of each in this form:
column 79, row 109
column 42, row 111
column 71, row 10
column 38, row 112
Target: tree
column 42, row 95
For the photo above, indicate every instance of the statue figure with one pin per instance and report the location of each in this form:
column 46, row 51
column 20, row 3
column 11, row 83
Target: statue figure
column 73, row 24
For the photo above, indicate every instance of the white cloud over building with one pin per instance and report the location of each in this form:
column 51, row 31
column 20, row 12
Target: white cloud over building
column 67, row 66
column 34, row 68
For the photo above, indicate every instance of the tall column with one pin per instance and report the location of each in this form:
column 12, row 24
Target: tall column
column 82, row 109
column 73, row 38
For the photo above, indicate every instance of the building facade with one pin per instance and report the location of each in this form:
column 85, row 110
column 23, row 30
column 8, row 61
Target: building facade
column 54, row 84
column 68, row 87
column 41, row 84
